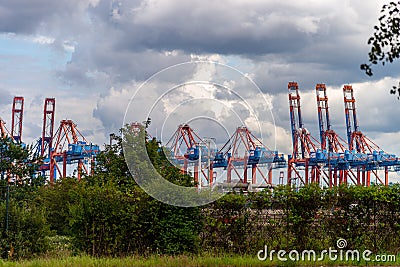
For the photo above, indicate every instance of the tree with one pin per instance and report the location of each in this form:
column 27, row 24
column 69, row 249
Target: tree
column 23, row 221
column 108, row 214
column 111, row 166
column 385, row 41
column 17, row 162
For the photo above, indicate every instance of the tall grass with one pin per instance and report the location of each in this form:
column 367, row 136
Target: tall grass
column 178, row 261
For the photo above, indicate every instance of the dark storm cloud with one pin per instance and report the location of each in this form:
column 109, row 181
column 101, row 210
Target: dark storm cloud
column 120, row 29
column 202, row 27
column 26, row 16
column 283, row 42
column 117, row 42
column 205, row 40
column 23, row 16
column 74, row 75
column 5, row 97
column 131, row 40
column 123, row 66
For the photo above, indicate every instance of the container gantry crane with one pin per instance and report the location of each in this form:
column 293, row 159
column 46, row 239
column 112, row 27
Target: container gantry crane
column 44, row 144
column 17, row 117
column 188, row 149
column 244, row 151
column 70, row 147
column 333, row 147
column 49, row 110
column 375, row 158
column 304, row 144
column 3, row 129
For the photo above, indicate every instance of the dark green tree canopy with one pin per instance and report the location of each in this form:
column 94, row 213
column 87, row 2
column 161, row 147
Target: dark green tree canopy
column 17, row 161
column 385, row 41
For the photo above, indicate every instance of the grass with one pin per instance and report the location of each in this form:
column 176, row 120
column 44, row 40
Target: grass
column 173, row 261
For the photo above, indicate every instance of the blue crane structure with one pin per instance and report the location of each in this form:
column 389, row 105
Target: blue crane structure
column 185, row 150
column 243, row 151
column 303, row 164
column 366, row 156
column 66, row 147
column 71, row 147
column 333, row 148
column 329, row 160
column 333, row 161
column 44, row 143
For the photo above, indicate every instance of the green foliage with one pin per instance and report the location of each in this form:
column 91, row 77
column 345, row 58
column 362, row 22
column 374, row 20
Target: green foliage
column 23, row 222
column 16, row 162
column 228, row 224
column 384, row 43
column 102, row 221
column 303, row 206
column 57, row 199
column 27, row 230
column 176, row 229
column 105, row 221
column 111, row 167
column 310, row 218
column 59, row 246
column 108, row 214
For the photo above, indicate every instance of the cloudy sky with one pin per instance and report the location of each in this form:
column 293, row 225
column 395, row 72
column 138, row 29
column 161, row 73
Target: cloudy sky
column 92, row 56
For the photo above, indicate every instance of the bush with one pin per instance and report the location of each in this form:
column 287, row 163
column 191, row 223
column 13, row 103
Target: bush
column 27, row 230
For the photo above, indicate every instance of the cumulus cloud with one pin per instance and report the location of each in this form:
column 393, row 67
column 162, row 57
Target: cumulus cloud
column 105, row 49
column 27, row 17
column 131, row 40
column 110, row 108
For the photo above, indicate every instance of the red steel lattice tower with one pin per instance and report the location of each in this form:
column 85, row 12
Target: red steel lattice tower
column 17, row 116
column 184, row 146
column 48, row 125
column 69, row 146
column 331, row 142
column 303, row 143
column 245, row 151
column 358, row 141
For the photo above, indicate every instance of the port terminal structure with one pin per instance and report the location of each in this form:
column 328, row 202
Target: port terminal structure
column 243, row 161
column 332, row 161
column 242, row 158
column 58, row 150
column 328, row 160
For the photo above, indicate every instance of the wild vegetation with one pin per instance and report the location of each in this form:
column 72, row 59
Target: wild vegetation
column 109, row 215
